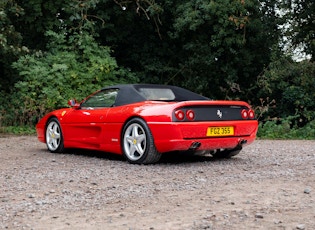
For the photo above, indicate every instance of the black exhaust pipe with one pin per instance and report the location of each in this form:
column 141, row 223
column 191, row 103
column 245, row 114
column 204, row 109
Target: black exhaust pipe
column 194, row 146
column 242, row 142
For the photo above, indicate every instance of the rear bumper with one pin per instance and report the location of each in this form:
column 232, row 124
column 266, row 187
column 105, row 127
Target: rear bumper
column 179, row 136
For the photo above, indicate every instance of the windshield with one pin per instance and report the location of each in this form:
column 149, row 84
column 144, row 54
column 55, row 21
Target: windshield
column 101, row 99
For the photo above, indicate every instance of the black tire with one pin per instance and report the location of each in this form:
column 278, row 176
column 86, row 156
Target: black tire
column 137, row 143
column 53, row 136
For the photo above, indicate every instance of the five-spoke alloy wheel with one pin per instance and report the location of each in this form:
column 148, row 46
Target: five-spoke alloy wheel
column 138, row 144
column 54, row 138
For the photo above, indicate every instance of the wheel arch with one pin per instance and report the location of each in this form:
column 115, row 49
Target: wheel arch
column 125, row 122
column 132, row 117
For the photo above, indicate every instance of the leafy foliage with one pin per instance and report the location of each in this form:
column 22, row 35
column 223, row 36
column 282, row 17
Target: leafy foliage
column 10, row 39
column 206, row 46
column 283, row 130
column 290, row 87
column 301, row 14
column 10, row 42
column 223, row 49
column 72, row 67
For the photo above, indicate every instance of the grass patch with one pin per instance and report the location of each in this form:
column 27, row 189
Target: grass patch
column 18, row 130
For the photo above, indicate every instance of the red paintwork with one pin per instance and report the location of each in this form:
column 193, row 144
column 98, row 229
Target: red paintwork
column 100, row 129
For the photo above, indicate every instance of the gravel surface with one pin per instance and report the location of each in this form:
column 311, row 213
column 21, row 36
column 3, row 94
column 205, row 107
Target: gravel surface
column 269, row 185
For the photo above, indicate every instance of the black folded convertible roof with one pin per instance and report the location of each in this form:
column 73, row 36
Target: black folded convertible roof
column 131, row 93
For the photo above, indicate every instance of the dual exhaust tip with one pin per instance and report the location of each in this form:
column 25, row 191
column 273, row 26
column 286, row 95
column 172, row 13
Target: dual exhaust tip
column 196, row 145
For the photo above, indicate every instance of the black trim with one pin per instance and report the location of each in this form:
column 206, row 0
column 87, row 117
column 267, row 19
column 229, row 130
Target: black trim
column 129, row 93
column 213, row 113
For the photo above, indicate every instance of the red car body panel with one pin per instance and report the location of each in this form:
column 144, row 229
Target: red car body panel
column 101, row 128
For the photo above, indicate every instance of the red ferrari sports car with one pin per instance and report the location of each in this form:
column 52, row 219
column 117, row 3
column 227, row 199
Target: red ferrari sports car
column 142, row 121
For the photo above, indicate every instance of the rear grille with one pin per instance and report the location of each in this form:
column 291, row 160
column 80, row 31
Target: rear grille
column 213, row 113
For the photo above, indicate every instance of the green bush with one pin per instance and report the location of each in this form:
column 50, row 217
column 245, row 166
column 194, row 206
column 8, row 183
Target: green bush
column 73, row 67
column 276, row 129
column 286, row 91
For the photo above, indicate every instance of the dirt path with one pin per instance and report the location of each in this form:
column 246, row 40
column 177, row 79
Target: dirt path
column 270, row 185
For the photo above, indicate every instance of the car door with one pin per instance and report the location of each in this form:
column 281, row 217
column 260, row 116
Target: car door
column 85, row 125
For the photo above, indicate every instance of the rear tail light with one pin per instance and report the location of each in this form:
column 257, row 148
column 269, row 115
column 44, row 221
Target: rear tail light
column 180, row 115
column 244, row 114
column 190, row 115
column 248, row 114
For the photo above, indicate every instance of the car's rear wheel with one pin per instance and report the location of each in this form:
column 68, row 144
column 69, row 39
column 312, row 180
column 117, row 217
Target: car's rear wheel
column 54, row 138
column 138, row 144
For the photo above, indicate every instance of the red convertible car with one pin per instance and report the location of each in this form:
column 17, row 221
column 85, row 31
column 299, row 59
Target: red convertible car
column 143, row 121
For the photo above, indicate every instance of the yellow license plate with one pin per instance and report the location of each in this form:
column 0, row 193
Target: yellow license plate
column 220, row 131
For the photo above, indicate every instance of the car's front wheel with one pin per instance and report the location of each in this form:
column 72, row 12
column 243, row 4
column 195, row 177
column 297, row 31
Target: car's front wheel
column 138, row 144
column 54, row 138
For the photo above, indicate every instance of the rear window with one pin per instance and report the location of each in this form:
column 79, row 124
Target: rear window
column 157, row 94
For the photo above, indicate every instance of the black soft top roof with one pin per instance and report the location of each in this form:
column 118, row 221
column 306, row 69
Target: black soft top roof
column 130, row 93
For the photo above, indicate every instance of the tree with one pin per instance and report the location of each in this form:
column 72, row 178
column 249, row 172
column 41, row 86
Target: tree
column 300, row 15
column 10, row 42
column 23, row 26
column 63, row 63
column 286, row 89
column 216, row 48
column 73, row 67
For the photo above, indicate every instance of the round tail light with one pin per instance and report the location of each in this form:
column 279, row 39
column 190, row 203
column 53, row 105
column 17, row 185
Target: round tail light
column 251, row 114
column 180, row 115
column 244, row 114
column 190, row 115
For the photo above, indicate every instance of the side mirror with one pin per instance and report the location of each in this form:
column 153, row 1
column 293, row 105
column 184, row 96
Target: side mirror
column 73, row 103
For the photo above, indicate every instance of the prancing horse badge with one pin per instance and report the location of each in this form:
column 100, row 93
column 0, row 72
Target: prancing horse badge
column 219, row 113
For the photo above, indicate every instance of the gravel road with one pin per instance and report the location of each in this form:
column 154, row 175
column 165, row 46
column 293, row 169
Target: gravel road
column 270, row 185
